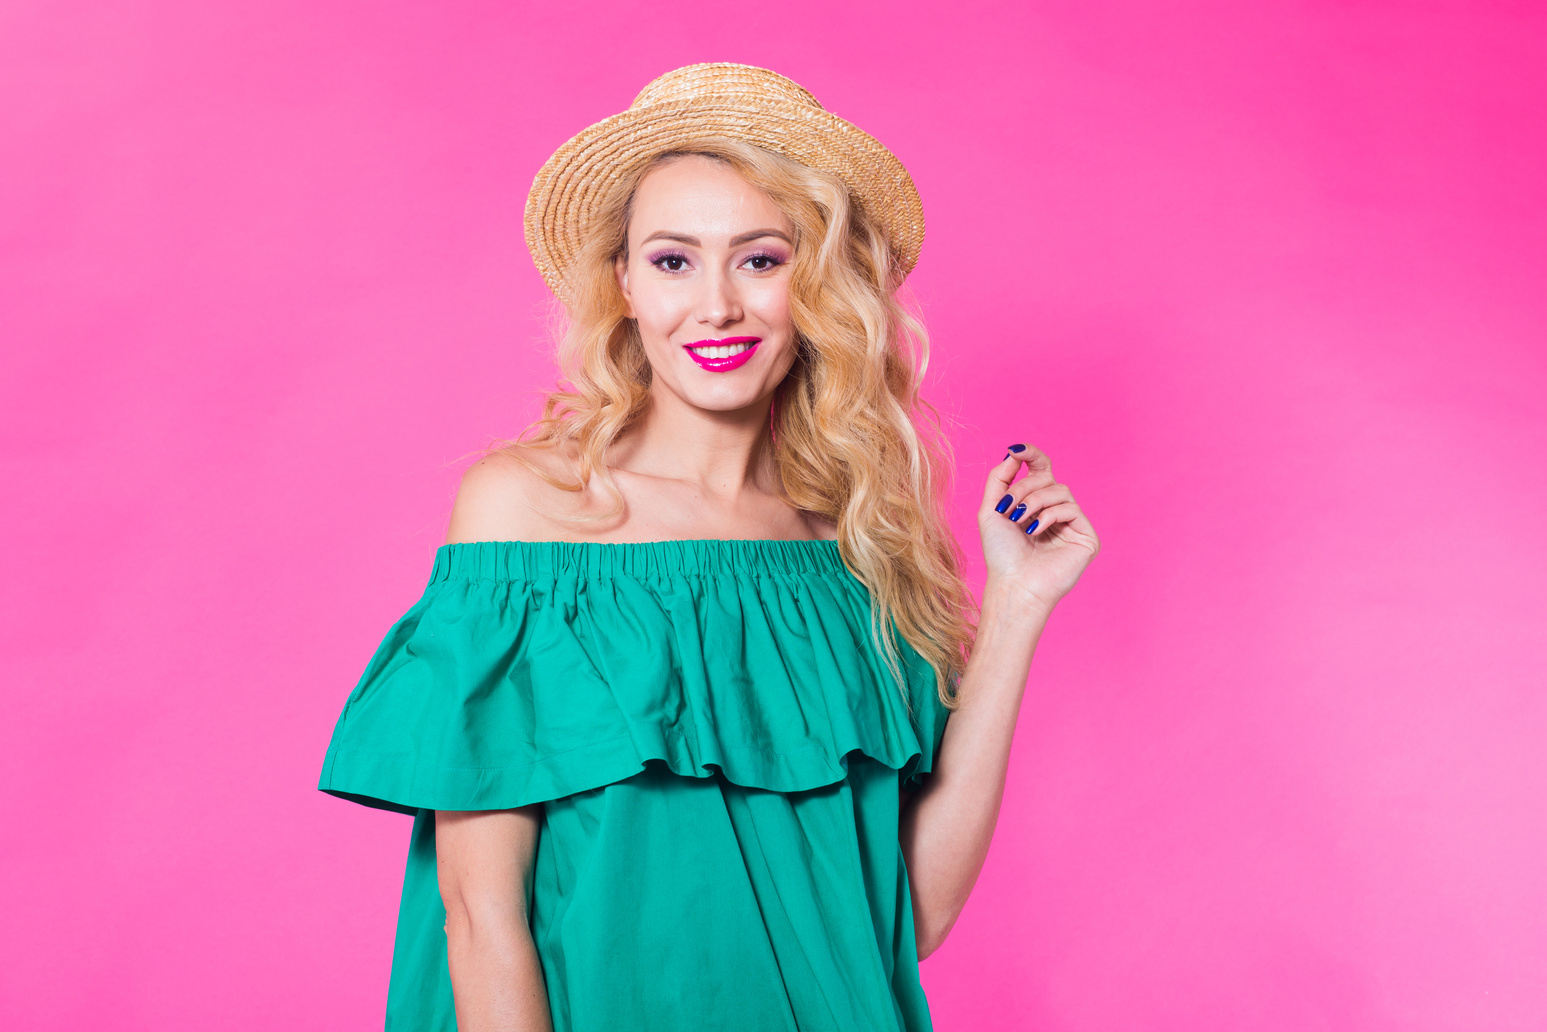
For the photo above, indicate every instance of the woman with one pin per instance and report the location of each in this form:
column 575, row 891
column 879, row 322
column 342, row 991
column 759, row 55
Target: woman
column 672, row 713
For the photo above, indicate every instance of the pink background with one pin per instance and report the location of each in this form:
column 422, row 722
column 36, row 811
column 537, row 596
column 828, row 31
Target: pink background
column 1266, row 280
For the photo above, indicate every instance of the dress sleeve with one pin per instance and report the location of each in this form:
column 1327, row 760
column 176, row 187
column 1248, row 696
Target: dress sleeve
column 476, row 700
column 928, row 718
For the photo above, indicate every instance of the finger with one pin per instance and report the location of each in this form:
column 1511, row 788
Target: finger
column 1026, row 498
column 1053, row 516
column 1039, row 471
column 999, row 477
column 1037, row 463
column 1031, row 500
column 1002, row 474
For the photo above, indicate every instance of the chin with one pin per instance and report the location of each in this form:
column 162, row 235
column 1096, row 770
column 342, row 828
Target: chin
column 723, row 400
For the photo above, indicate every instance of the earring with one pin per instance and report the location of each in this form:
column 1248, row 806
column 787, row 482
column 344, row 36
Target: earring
column 773, row 406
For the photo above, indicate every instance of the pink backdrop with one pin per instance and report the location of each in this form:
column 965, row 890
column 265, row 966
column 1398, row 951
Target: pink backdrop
column 1266, row 280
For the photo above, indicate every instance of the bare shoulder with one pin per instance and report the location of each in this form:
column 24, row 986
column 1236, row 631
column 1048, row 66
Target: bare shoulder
column 504, row 496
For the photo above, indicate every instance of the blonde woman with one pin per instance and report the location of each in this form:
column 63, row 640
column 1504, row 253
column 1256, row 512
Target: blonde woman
column 672, row 714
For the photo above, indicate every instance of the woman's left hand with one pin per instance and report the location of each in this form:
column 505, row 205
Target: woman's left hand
column 1040, row 567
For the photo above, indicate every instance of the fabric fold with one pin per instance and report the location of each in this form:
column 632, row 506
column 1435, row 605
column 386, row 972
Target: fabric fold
column 530, row 671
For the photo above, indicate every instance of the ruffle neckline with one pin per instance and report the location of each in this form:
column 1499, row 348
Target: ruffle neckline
column 533, row 670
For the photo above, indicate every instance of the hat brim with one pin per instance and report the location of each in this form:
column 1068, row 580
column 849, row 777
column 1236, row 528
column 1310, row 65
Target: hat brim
column 574, row 180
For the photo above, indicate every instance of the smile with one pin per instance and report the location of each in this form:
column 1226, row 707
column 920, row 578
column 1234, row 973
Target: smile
column 719, row 356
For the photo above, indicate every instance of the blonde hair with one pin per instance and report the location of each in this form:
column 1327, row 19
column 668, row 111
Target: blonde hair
column 855, row 443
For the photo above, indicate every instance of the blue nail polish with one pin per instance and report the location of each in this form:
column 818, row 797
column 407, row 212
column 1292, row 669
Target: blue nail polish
column 1033, row 526
column 1004, row 503
column 1017, row 447
column 1020, row 510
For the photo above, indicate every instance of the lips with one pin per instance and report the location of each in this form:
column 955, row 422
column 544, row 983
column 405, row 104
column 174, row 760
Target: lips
column 721, row 356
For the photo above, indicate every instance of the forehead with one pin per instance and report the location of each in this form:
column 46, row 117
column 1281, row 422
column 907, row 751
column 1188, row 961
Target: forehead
column 702, row 197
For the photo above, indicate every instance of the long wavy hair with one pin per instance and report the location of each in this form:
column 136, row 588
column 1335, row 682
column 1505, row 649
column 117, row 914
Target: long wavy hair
column 853, row 441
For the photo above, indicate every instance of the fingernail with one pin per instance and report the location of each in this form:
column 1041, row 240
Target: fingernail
column 1017, row 447
column 1004, row 503
column 1020, row 510
column 1033, row 526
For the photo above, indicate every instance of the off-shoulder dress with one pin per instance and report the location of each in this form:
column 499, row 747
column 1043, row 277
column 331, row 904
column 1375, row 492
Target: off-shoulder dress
column 719, row 750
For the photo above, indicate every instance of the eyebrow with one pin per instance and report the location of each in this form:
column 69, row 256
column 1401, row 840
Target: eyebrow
column 693, row 241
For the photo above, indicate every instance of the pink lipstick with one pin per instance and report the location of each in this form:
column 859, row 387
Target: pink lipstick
column 721, row 356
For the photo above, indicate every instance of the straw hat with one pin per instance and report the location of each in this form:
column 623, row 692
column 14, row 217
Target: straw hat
column 714, row 100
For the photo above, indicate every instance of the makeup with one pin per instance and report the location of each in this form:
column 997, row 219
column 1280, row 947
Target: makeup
column 721, row 356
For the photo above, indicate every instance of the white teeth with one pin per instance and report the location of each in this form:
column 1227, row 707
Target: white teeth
column 720, row 350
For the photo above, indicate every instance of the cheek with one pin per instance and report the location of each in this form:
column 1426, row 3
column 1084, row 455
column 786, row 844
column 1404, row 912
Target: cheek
column 771, row 303
column 657, row 307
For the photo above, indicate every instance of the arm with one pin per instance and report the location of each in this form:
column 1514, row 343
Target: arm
column 946, row 827
column 484, row 859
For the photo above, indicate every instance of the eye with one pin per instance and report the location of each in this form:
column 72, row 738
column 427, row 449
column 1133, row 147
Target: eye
column 671, row 261
column 763, row 262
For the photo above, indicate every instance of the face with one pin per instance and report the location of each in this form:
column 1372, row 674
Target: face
column 707, row 279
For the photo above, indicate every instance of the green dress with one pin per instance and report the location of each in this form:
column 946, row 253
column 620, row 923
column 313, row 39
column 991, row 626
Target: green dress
column 719, row 749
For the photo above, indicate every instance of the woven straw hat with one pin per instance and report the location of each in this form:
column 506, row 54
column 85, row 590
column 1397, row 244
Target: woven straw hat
column 714, row 100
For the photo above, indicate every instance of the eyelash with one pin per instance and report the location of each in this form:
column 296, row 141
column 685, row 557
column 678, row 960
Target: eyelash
column 660, row 260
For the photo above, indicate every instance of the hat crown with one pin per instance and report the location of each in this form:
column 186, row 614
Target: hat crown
column 722, row 80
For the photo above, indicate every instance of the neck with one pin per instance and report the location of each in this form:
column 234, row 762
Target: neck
column 721, row 454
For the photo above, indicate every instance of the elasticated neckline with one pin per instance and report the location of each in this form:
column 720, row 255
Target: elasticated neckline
column 639, row 560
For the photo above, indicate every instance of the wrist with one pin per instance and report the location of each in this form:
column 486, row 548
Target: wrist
column 1007, row 600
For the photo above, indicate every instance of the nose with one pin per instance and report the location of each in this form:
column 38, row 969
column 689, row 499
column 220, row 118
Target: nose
column 719, row 303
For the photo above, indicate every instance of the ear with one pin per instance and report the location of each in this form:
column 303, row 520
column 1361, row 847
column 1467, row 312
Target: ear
column 620, row 271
